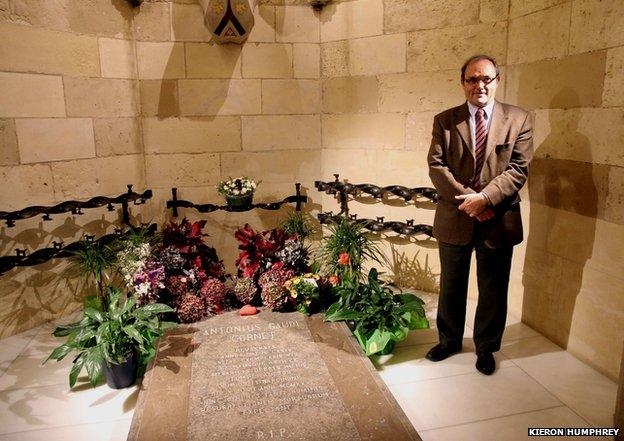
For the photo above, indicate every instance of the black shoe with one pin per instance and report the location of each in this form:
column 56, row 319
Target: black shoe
column 485, row 363
column 439, row 352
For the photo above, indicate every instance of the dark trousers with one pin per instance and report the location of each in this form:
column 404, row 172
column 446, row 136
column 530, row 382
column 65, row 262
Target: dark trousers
column 493, row 266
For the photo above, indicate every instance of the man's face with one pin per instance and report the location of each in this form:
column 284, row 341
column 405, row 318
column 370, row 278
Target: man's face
column 478, row 91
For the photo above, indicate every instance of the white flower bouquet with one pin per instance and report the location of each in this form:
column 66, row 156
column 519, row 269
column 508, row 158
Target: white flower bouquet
column 237, row 187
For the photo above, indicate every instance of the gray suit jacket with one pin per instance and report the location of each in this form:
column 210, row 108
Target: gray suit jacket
column 509, row 150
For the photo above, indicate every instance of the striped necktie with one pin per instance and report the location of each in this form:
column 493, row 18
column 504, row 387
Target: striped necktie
column 481, row 133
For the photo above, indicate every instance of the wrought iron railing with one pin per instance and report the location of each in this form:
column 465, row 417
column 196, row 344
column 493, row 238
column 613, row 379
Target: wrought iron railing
column 342, row 190
column 298, row 199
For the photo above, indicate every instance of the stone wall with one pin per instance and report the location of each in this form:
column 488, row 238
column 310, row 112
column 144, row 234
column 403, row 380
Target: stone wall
column 350, row 90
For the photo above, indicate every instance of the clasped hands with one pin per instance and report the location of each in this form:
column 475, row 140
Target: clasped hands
column 475, row 205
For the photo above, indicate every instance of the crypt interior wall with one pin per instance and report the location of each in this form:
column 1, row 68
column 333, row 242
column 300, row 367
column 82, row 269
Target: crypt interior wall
column 97, row 95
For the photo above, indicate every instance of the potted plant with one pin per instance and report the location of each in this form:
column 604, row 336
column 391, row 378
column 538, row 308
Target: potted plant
column 115, row 339
column 238, row 192
column 381, row 317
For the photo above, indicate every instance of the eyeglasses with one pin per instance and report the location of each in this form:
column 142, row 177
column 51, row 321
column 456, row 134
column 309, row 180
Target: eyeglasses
column 476, row 80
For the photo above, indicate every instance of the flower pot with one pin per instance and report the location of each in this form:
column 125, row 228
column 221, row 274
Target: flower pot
column 239, row 203
column 121, row 375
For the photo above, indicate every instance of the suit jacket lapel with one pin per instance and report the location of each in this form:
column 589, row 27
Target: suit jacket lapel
column 462, row 117
column 497, row 129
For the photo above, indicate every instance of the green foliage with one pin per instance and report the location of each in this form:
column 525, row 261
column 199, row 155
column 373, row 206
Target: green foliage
column 348, row 237
column 92, row 260
column 300, row 224
column 381, row 316
column 134, row 237
column 110, row 335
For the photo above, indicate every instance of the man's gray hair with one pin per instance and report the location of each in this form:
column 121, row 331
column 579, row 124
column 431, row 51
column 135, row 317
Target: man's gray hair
column 478, row 57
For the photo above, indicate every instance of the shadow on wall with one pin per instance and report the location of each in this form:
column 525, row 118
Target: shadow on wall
column 563, row 210
column 33, row 295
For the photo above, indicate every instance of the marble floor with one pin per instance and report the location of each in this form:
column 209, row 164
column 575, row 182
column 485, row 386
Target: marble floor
column 537, row 384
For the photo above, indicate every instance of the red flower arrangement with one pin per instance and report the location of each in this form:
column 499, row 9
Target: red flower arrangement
column 258, row 250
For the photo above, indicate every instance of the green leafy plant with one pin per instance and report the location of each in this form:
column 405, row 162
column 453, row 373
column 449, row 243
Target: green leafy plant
column 381, row 317
column 298, row 224
column 109, row 333
column 345, row 249
column 92, row 260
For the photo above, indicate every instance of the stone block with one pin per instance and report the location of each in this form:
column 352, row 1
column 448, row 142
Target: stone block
column 306, row 60
column 86, row 178
column 586, row 337
column 279, row 167
column 526, row 45
column 9, row 154
column 191, row 135
column 587, row 135
column 28, row 49
column 291, row 96
column 364, row 131
column 160, row 60
column 5, row 9
column 347, row 20
column 575, row 81
column 413, row 92
column 77, row 16
column 493, row 10
column 596, row 24
column 35, row 186
column 153, row 22
column 281, row 132
column 613, row 93
column 265, row 60
column 111, row 19
column 350, row 95
column 403, row 167
column 219, row 97
column 335, row 59
column 159, row 98
column 100, row 97
column 187, row 23
column 573, row 186
column 614, row 208
column 518, row 8
column 607, row 253
column 28, row 95
column 117, row 58
column 117, row 136
column 412, row 15
column 296, row 24
column 264, row 25
column 205, row 60
column 179, row 170
column 418, row 129
column 448, row 48
column 54, row 139
column 364, row 56
column 356, row 165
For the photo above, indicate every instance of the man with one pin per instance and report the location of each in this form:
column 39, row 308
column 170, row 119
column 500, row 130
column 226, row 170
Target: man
column 478, row 162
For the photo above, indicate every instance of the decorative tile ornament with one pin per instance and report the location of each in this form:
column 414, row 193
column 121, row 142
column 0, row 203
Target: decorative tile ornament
column 229, row 21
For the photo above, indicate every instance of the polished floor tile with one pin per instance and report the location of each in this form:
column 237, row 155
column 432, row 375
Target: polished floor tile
column 509, row 428
column 408, row 364
column 577, row 385
column 53, row 406
column 460, row 399
column 12, row 346
column 109, row 431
